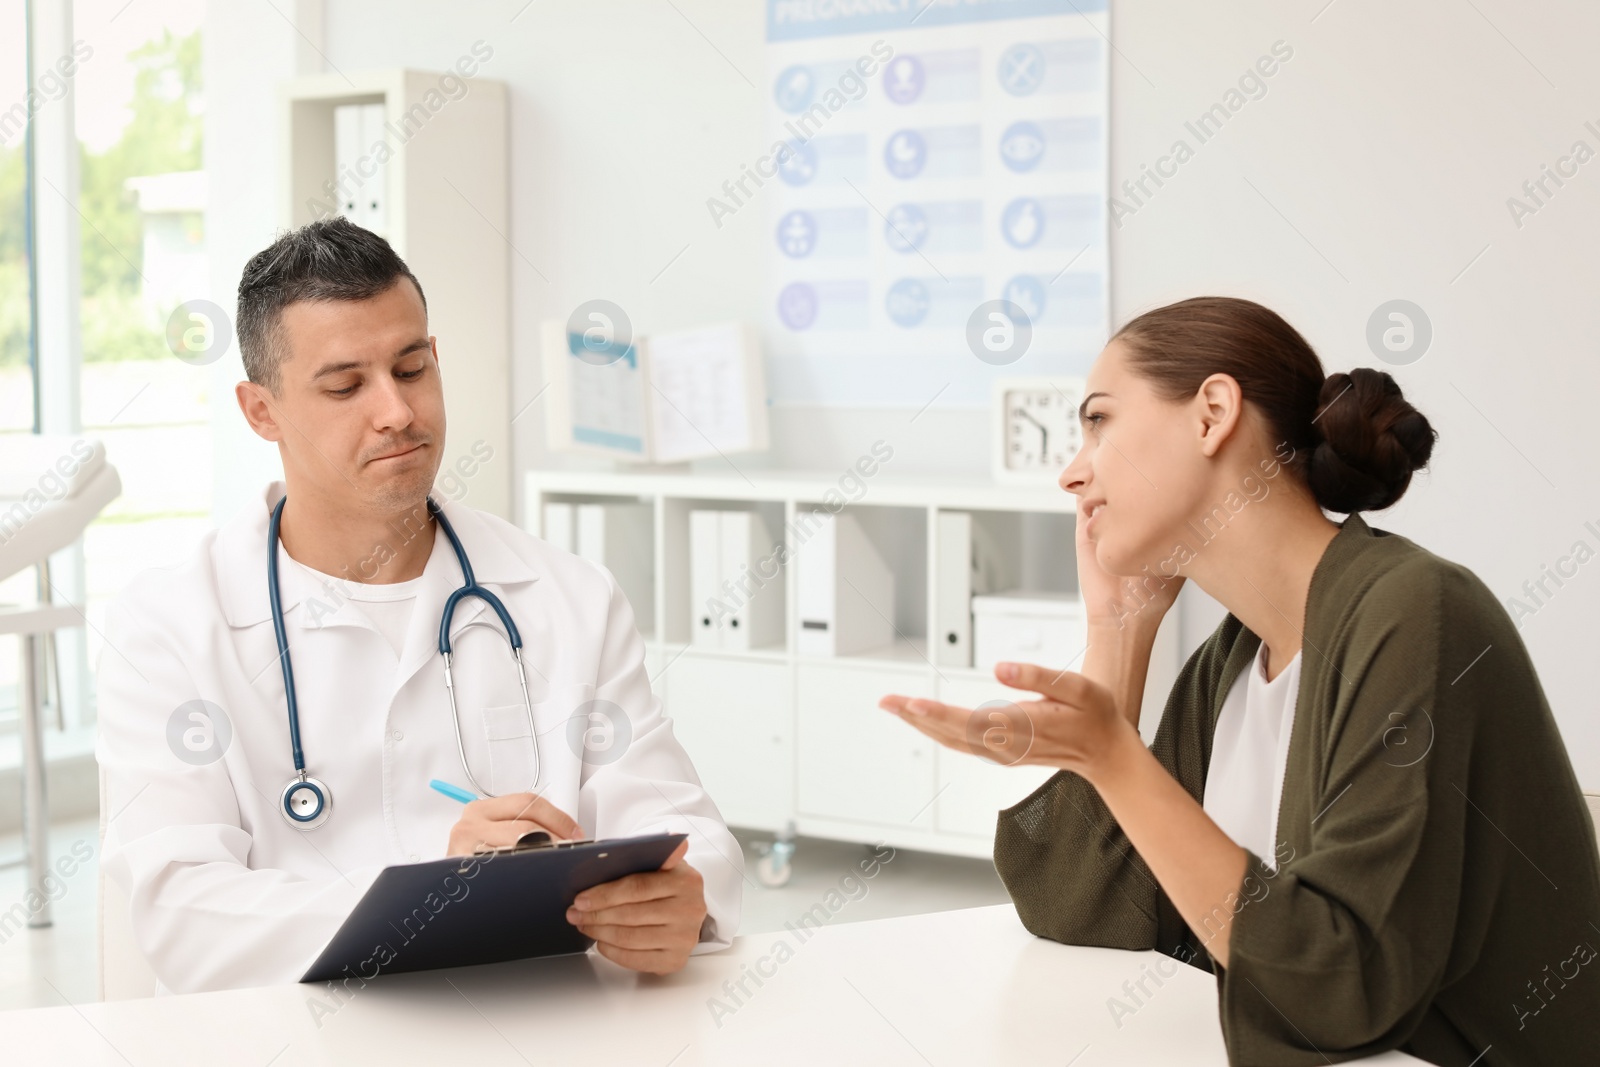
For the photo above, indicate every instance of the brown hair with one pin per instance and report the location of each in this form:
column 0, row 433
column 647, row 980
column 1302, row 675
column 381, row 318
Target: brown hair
column 1356, row 439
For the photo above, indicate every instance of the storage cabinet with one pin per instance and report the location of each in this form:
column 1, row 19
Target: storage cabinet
column 858, row 762
column 783, row 740
column 735, row 717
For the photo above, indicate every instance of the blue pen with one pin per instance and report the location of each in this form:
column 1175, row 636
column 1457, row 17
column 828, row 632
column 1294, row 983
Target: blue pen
column 454, row 792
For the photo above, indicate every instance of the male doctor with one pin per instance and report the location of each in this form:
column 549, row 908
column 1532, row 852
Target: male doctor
column 194, row 734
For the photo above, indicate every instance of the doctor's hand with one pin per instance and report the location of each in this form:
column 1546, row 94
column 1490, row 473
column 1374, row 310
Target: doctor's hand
column 646, row 922
column 497, row 822
column 1075, row 725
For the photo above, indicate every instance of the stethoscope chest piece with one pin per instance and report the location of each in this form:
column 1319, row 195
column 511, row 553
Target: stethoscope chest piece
column 306, row 803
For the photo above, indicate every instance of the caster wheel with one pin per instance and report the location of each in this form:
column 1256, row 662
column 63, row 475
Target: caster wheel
column 773, row 870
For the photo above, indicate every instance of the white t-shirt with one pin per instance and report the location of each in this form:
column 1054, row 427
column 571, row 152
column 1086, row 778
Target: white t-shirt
column 388, row 606
column 1249, row 754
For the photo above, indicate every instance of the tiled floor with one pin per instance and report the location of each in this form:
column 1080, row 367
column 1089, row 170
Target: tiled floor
column 56, row 965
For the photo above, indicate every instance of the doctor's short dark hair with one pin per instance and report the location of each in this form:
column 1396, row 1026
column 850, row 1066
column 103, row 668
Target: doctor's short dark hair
column 330, row 259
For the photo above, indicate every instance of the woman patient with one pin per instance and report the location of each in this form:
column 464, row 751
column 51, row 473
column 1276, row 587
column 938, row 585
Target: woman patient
column 1357, row 811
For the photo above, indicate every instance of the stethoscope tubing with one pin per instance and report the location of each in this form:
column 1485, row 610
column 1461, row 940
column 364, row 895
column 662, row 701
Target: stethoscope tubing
column 323, row 796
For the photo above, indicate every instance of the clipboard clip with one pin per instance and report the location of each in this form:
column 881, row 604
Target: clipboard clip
column 537, row 839
column 532, row 841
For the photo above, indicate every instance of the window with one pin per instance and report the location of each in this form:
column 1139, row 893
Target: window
column 16, row 320
column 140, row 126
column 18, row 399
column 136, row 107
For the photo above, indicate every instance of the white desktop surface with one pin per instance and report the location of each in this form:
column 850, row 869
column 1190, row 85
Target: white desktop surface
column 948, row 988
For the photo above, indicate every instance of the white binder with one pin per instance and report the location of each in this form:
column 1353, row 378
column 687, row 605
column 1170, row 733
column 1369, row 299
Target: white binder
column 374, row 191
column 746, row 554
column 846, row 591
column 953, row 591
column 363, row 182
column 621, row 538
column 558, row 525
column 348, row 129
column 705, row 578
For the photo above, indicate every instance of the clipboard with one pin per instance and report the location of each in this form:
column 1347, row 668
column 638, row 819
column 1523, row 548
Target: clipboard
column 498, row 905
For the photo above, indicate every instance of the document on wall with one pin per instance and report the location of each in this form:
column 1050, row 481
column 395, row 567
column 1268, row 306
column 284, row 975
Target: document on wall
column 597, row 403
column 923, row 159
column 708, row 395
column 666, row 398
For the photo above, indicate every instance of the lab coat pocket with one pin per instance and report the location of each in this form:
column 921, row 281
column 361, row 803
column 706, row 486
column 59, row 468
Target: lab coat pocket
column 559, row 722
column 505, row 728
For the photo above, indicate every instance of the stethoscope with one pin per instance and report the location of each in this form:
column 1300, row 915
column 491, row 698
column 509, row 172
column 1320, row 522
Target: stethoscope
column 307, row 801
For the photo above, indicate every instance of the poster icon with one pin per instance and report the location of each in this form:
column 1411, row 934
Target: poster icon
column 908, row 302
column 1027, row 292
column 905, row 154
column 797, row 305
column 800, row 165
column 903, row 79
column 905, row 227
column 1021, row 69
column 795, row 88
column 797, row 234
column 1022, row 146
column 1022, row 224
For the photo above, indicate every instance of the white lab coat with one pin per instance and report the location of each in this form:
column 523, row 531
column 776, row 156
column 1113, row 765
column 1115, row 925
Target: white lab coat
column 224, row 893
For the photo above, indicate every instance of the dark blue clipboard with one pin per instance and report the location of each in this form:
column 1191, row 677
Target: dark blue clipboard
column 509, row 904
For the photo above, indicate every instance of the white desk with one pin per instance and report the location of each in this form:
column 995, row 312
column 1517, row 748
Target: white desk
column 952, row 988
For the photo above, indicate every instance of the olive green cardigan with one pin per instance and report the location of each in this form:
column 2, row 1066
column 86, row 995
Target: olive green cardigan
column 1438, row 889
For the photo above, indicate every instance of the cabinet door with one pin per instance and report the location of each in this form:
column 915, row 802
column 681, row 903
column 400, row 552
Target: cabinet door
column 974, row 789
column 735, row 719
column 857, row 761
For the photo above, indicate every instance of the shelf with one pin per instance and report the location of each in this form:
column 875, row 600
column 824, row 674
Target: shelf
column 912, row 652
column 903, row 653
column 809, row 486
column 444, row 216
column 783, row 739
column 672, row 650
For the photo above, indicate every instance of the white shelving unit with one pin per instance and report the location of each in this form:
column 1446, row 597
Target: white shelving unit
column 785, row 742
column 445, row 188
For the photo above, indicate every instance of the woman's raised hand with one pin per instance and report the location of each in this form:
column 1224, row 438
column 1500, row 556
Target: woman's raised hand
column 1074, row 725
column 1110, row 600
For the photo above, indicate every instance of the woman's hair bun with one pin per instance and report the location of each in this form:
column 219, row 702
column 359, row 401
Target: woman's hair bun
column 1369, row 440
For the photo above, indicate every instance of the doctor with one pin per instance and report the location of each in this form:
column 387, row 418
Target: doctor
column 240, row 851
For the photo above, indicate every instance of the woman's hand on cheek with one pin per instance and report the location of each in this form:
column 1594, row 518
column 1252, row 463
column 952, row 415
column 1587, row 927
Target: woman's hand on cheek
column 1075, row 726
column 1100, row 590
column 1113, row 600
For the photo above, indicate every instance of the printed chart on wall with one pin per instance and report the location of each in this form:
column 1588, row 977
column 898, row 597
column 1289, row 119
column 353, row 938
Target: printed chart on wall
column 938, row 217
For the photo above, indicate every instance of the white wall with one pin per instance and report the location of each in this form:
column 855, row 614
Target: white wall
column 247, row 49
column 1377, row 166
column 1384, row 153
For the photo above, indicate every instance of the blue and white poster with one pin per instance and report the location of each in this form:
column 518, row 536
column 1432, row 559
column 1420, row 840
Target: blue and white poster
column 932, row 157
